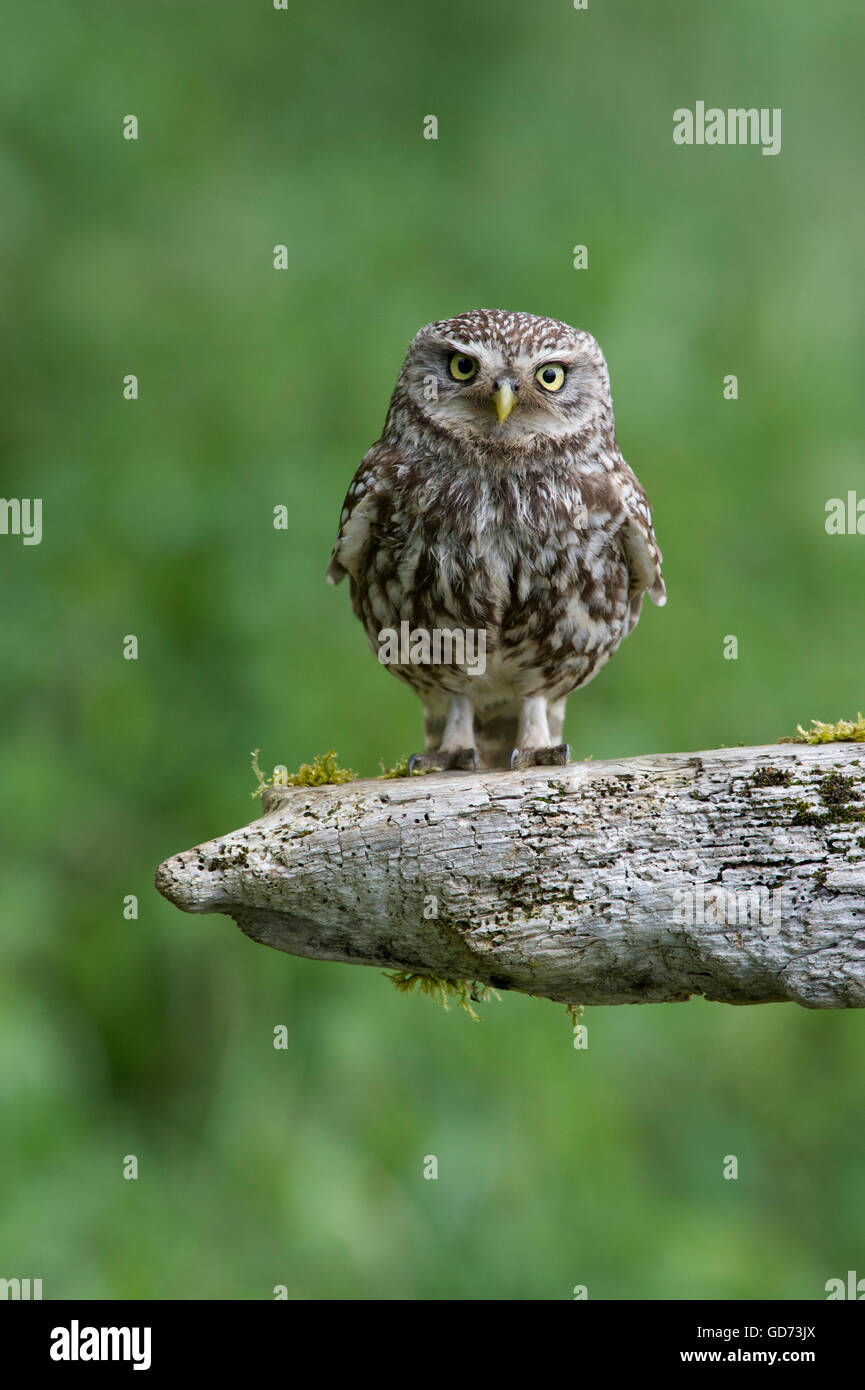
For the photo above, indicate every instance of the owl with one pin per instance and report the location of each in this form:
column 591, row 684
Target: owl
column 496, row 508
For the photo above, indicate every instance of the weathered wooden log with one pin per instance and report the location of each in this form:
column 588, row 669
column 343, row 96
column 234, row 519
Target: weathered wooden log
column 738, row 874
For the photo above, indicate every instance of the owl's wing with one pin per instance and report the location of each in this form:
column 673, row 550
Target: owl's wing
column 359, row 511
column 641, row 549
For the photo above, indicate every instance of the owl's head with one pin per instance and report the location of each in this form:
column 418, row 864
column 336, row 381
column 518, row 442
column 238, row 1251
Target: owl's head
column 506, row 380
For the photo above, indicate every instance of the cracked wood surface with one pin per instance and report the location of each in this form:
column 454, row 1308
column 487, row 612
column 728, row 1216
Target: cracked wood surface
column 737, row 873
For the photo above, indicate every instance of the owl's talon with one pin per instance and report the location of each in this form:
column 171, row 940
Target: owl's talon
column 558, row 756
column 442, row 760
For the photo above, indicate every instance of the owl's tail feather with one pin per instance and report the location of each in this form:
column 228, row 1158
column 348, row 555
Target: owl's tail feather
column 495, row 729
column 496, row 733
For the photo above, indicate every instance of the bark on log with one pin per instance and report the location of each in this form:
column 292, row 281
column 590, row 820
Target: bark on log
column 738, row 874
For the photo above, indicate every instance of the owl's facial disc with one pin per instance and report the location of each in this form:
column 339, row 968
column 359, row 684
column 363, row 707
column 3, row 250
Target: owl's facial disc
column 510, row 391
column 489, row 383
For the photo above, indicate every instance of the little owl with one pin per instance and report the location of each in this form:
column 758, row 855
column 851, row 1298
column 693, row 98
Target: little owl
column 497, row 503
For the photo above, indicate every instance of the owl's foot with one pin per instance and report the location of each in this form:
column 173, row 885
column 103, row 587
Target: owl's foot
column 444, row 760
column 540, row 757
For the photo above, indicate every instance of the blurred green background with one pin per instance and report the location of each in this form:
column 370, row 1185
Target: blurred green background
column 153, row 1037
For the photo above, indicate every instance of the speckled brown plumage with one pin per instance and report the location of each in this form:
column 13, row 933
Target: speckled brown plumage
column 531, row 528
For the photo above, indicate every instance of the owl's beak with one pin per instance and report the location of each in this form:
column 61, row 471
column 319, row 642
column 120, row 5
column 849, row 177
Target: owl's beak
column 504, row 400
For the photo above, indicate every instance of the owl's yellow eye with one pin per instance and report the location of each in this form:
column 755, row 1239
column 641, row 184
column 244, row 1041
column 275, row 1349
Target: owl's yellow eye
column 462, row 368
column 551, row 377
